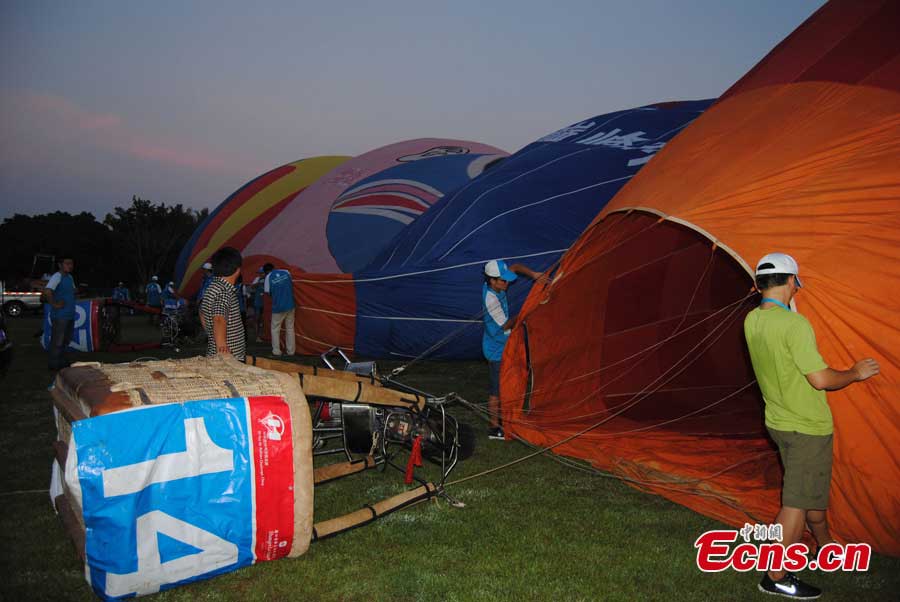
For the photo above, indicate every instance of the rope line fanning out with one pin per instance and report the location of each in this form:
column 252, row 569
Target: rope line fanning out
column 605, row 224
column 652, row 387
column 679, row 485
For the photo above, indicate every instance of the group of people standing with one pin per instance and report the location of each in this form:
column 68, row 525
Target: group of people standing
column 220, row 301
column 156, row 296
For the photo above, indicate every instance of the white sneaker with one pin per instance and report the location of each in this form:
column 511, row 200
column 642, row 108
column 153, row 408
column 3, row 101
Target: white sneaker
column 277, row 353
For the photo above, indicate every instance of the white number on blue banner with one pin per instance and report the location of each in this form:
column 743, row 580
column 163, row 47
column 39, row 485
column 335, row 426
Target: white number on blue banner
column 168, row 492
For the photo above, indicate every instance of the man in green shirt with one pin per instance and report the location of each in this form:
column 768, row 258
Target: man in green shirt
column 793, row 379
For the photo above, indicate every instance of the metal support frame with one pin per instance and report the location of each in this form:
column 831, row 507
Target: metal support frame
column 382, row 453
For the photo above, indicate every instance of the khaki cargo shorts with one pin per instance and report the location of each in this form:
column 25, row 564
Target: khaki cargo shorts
column 807, row 468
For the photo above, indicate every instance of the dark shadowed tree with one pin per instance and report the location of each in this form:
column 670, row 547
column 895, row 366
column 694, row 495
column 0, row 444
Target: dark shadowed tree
column 151, row 236
column 80, row 236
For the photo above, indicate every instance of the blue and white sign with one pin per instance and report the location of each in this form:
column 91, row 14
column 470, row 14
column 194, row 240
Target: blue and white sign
column 85, row 324
column 168, row 492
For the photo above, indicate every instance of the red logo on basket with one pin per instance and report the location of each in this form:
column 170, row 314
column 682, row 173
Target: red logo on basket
column 274, row 426
column 765, row 552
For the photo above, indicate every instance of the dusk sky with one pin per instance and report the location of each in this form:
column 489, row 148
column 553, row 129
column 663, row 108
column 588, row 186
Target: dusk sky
column 183, row 102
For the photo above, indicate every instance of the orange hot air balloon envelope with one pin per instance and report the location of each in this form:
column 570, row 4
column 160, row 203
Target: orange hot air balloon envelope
column 638, row 339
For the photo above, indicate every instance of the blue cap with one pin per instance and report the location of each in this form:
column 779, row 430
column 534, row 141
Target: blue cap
column 497, row 268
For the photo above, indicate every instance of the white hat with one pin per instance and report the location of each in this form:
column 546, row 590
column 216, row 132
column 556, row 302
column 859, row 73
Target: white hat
column 779, row 263
column 154, row 279
column 496, row 268
column 207, row 266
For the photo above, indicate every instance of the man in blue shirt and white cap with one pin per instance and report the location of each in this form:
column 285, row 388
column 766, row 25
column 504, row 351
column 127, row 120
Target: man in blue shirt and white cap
column 170, row 292
column 154, row 297
column 497, row 326
column 59, row 294
column 120, row 293
column 154, row 293
column 279, row 285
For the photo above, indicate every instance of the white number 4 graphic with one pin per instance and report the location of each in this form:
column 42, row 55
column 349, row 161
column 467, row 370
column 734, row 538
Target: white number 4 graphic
column 201, row 456
column 151, row 573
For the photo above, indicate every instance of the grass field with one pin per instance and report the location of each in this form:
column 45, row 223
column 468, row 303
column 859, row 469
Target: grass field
column 537, row 531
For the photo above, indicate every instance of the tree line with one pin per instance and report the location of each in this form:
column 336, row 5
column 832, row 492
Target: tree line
column 131, row 244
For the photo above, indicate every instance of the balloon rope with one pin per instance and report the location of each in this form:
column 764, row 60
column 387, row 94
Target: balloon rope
column 718, row 330
column 607, row 224
column 633, row 365
column 640, row 396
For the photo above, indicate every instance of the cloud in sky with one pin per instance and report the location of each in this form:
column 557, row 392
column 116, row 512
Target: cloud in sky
column 63, row 121
column 57, row 154
column 65, row 111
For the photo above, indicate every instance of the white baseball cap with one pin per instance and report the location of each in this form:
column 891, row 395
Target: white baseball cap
column 154, row 279
column 207, row 266
column 779, row 263
column 497, row 268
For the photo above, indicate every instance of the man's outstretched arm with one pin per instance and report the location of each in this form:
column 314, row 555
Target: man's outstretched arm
column 524, row 270
column 832, row 380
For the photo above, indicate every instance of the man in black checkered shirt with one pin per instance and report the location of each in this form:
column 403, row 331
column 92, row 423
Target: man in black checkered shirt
column 220, row 310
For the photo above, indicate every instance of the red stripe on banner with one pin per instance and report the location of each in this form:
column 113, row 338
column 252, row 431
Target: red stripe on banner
column 273, row 457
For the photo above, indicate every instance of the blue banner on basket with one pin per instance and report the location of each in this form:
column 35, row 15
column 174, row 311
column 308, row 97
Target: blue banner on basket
column 84, row 328
column 179, row 492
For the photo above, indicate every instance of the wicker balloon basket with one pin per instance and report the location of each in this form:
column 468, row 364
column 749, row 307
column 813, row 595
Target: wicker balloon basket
column 172, row 471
